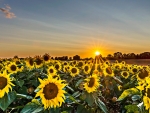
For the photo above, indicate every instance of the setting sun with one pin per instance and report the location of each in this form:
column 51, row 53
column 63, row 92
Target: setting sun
column 97, row 53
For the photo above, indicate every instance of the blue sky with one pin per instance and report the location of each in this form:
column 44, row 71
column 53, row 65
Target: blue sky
column 70, row 27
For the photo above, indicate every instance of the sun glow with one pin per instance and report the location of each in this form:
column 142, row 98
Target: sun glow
column 97, row 53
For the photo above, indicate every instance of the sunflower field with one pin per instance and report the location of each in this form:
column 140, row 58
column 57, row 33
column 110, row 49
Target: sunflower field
column 42, row 85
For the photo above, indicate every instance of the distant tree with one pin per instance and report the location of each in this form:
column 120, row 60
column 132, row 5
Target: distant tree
column 76, row 57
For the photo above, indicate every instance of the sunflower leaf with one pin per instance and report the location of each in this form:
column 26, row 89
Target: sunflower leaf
column 131, row 91
column 89, row 98
column 101, row 105
column 7, row 100
column 78, row 82
column 20, row 83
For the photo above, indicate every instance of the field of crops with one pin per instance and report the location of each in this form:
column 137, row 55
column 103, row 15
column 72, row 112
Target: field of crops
column 42, row 85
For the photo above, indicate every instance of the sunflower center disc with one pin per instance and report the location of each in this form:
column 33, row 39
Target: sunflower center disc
column 80, row 64
column 50, row 91
column 31, row 62
column 38, row 61
column 86, row 68
column 108, row 70
column 143, row 74
column 74, row 70
column 46, row 58
column 3, row 82
column 134, row 70
column 125, row 74
column 91, row 82
column 57, row 66
column 51, row 70
column 1, row 67
column 13, row 68
column 148, row 93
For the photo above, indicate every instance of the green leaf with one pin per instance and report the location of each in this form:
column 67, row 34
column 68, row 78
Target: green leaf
column 132, row 109
column 136, row 97
column 89, row 98
column 70, row 88
column 56, row 110
column 81, row 109
column 7, row 100
column 23, row 90
column 20, row 83
column 78, row 82
column 128, row 92
column 32, row 108
column 76, row 94
column 101, row 105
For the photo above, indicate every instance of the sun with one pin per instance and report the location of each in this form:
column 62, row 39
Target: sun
column 97, row 53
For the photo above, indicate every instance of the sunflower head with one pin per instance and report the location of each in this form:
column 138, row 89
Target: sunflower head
column 46, row 57
column 91, row 84
column 51, row 70
column 12, row 68
column 38, row 61
column 58, row 66
column 143, row 74
column 74, row 71
column 86, row 69
column 5, row 84
column 108, row 71
column 125, row 74
column 51, row 92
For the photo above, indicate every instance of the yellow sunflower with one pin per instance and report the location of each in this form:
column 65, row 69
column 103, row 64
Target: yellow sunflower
column 38, row 61
column 1, row 67
column 91, row 84
column 46, row 58
column 58, row 66
column 141, row 85
column 51, row 92
column 125, row 74
column 5, row 84
column 80, row 64
column 108, row 71
column 146, row 101
column 86, row 69
column 51, row 70
column 29, row 63
column 12, row 68
column 134, row 69
column 143, row 74
column 74, row 71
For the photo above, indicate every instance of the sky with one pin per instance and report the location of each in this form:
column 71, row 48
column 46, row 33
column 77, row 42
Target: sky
column 73, row 27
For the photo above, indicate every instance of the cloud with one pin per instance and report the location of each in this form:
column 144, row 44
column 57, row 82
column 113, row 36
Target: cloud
column 7, row 12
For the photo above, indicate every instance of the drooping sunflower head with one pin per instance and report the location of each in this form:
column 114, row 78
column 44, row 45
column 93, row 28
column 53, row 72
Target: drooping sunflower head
column 91, row 83
column 108, row 71
column 51, row 92
column 51, row 70
column 12, row 68
column 125, row 74
column 5, row 84
column 143, row 74
column 74, row 71
column 46, row 58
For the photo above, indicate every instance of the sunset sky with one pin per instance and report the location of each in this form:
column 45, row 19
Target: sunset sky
column 73, row 27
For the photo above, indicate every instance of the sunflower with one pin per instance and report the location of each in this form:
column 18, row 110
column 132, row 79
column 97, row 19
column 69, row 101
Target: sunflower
column 80, row 64
column 86, row 69
column 125, row 74
column 29, row 63
column 51, row 70
column 141, row 85
column 5, row 84
column 134, row 70
column 12, row 68
column 1, row 67
column 143, row 74
column 65, row 63
column 108, row 71
column 91, row 84
column 74, row 71
column 38, row 61
column 58, row 66
column 51, row 92
column 46, row 58
column 146, row 101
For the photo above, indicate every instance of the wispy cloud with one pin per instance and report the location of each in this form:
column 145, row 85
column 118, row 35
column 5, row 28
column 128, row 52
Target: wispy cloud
column 7, row 12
